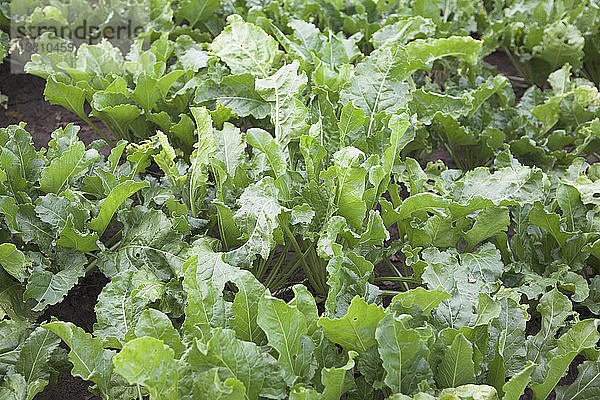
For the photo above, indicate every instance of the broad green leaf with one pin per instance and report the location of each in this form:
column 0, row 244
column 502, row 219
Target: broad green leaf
column 338, row 381
column 56, row 211
column 118, row 310
column 305, row 302
column 205, row 306
column 245, row 306
column 425, row 299
column 286, row 329
column 33, row 360
column 464, row 392
column 244, row 361
column 195, row 12
column 236, row 92
column 403, row 30
column 257, row 218
column 586, row 386
column 404, row 354
column 71, row 237
column 203, row 149
column 356, row 330
column 550, row 222
column 66, row 95
column 148, row 240
column 288, row 113
column 554, row 308
column 90, row 360
column 484, row 263
column 246, row 48
column 230, row 148
column 113, row 201
column 155, row 324
column 489, row 222
column 515, row 387
column 208, row 386
column 456, row 367
column 583, row 335
column 67, row 167
column 506, row 186
column 350, row 177
column 149, row 362
column 348, row 276
column 264, row 142
column 13, row 260
column 47, row 288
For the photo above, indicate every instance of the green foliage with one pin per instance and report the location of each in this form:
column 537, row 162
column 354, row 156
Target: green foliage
column 269, row 222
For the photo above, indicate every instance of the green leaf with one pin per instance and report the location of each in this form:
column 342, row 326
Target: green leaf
column 257, row 218
column 205, row 306
column 84, row 242
column 208, row 385
column 404, row 353
column 425, row 299
column 586, row 386
column 13, row 260
column 56, row 211
column 48, row 288
column 67, row 167
column 148, row 240
column 245, row 306
column 288, row 112
column 195, row 12
column 203, row 149
column 117, row 309
column 583, row 335
column 286, row 329
column 150, row 363
column 113, row 201
column 338, row 381
column 34, row 358
column 356, row 330
column 264, row 142
column 489, row 222
column 244, row 361
column 246, row 48
column 230, row 148
column 90, row 360
column 66, row 95
column 550, row 222
column 236, row 92
column 515, row 387
column 484, row 263
column 554, row 308
column 456, row 367
column 155, row 324
column 506, row 186
column 350, row 177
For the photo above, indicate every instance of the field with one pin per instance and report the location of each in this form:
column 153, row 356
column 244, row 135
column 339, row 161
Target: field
column 300, row 200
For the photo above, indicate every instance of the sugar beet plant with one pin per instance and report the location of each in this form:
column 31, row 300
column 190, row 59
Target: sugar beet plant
column 271, row 227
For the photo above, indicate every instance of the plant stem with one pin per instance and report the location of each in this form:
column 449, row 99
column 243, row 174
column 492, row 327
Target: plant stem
column 390, row 292
column 395, row 279
column 98, row 131
column 305, row 266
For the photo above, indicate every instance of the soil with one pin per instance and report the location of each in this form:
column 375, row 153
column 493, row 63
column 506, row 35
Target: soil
column 26, row 103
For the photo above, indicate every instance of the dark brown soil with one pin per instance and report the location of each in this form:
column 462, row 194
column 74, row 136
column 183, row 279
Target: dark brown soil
column 501, row 62
column 26, row 104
